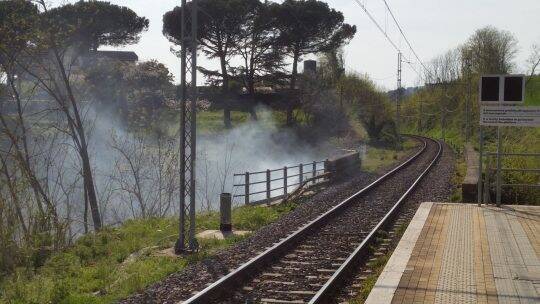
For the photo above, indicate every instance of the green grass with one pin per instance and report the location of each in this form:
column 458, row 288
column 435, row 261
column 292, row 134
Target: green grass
column 459, row 174
column 377, row 158
column 100, row 268
column 515, row 139
column 211, row 122
column 377, row 266
column 532, row 92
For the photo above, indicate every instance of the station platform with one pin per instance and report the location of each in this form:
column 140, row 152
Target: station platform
column 462, row 253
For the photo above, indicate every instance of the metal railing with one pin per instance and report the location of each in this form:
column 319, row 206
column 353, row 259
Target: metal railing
column 270, row 185
column 491, row 172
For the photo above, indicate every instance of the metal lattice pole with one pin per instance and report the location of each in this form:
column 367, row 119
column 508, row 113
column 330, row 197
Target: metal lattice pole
column 188, row 118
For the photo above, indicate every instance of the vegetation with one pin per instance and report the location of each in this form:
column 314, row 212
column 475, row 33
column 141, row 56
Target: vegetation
column 116, row 262
column 39, row 46
column 96, row 23
column 136, row 91
column 49, row 165
column 219, row 33
column 261, row 35
column 377, row 266
column 381, row 157
column 54, row 200
column 440, row 108
column 310, row 27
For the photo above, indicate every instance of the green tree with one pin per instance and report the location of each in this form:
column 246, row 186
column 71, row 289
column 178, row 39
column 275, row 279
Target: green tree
column 371, row 106
column 259, row 49
column 533, row 61
column 95, row 23
column 43, row 58
column 18, row 20
column 491, row 51
column 105, row 80
column 220, row 23
column 310, row 26
column 149, row 84
column 332, row 66
column 134, row 89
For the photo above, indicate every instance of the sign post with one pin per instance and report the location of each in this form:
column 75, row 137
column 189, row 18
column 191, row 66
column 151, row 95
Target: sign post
column 501, row 105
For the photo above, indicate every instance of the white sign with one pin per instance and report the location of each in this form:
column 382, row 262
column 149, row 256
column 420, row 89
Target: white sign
column 510, row 116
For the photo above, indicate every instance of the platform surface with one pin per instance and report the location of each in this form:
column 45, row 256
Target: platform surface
column 461, row 253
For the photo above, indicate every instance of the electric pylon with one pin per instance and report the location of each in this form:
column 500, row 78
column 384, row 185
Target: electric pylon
column 188, row 118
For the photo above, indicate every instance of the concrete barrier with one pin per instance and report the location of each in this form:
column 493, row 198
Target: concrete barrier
column 344, row 165
column 469, row 187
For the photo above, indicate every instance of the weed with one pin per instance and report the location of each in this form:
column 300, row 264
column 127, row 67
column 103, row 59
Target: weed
column 116, row 262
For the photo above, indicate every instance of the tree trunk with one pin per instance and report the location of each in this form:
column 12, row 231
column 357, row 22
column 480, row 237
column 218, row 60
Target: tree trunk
column 253, row 102
column 24, row 138
column 15, row 198
column 79, row 137
column 290, row 107
column 89, row 185
column 85, row 214
column 294, row 74
column 225, row 92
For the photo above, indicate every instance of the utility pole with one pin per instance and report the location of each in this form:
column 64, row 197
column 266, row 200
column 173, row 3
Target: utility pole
column 398, row 101
column 443, row 112
column 188, row 119
column 420, row 118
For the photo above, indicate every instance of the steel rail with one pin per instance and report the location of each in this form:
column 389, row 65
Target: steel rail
column 219, row 287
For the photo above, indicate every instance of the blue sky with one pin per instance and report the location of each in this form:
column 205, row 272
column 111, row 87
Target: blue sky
column 432, row 27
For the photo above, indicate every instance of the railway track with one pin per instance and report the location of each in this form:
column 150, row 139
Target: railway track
column 309, row 265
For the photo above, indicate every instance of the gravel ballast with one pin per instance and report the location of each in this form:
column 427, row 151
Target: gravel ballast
column 180, row 286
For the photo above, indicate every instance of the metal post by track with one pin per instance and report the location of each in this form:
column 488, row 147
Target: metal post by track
column 188, row 119
column 498, row 177
column 480, row 163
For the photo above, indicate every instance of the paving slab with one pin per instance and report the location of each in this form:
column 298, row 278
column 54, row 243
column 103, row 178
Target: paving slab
column 220, row 235
column 462, row 253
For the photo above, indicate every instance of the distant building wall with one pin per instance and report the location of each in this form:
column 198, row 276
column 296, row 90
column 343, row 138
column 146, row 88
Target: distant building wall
column 310, row 67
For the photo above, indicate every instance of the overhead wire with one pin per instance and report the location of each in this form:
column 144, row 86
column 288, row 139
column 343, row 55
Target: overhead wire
column 405, row 37
column 372, row 18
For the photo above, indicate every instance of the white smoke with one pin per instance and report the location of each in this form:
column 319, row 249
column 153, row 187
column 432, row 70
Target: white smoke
column 247, row 147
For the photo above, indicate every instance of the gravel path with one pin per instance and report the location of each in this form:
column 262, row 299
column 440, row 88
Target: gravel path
column 181, row 285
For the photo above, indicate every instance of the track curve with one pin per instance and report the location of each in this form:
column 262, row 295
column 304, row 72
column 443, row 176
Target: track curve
column 308, row 265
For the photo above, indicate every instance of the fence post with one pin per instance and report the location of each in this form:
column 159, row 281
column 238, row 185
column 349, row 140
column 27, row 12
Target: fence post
column 225, row 224
column 314, row 172
column 246, row 187
column 268, row 184
column 326, row 164
column 301, row 173
column 285, row 181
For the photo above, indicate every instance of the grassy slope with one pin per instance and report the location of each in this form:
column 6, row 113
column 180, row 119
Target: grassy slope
column 99, row 268
column 526, row 140
column 102, row 268
column 381, row 157
column 209, row 122
column 110, row 265
column 532, row 92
